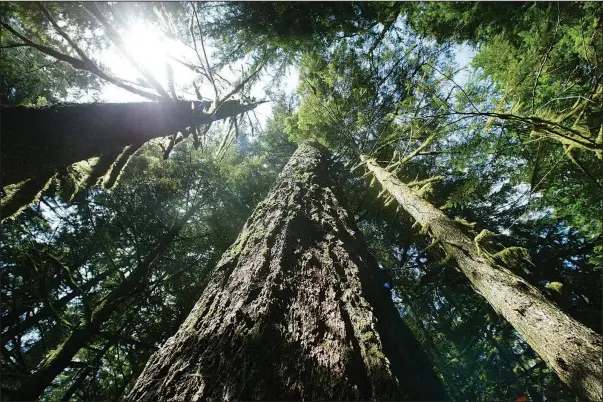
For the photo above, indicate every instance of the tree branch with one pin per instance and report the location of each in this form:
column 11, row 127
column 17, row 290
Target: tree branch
column 118, row 41
column 56, row 26
column 209, row 72
column 80, row 65
column 13, row 45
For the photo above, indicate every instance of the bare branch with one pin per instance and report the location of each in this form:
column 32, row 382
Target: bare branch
column 211, row 77
column 170, row 76
column 80, row 65
column 197, row 91
column 56, row 26
column 13, row 45
column 240, row 86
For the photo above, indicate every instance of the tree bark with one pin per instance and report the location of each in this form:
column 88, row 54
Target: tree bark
column 38, row 140
column 293, row 311
column 56, row 362
column 572, row 350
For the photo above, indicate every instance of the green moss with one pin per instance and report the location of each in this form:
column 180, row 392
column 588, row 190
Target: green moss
column 512, row 255
column 555, row 286
column 434, row 242
column 425, row 190
column 446, row 260
column 375, row 352
column 238, row 245
column 480, row 239
column 52, row 354
column 464, row 222
column 368, row 336
column 19, row 196
column 424, row 229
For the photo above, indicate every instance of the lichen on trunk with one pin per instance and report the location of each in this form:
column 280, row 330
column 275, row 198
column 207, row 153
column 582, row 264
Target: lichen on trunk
column 293, row 311
column 571, row 349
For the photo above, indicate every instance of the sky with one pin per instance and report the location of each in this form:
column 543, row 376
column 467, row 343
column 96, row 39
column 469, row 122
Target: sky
column 153, row 49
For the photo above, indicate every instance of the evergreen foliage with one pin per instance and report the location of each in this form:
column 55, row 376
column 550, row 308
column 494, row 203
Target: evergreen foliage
column 509, row 148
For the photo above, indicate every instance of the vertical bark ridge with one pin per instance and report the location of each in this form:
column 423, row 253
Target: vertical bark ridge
column 290, row 311
column 571, row 349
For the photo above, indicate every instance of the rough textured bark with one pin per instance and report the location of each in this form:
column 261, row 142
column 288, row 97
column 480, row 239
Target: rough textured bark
column 293, row 311
column 572, row 350
column 38, row 140
column 57, row 361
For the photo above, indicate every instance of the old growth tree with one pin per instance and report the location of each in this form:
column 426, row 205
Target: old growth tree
column 295, row 309
column 372, row 84
column 398, row 107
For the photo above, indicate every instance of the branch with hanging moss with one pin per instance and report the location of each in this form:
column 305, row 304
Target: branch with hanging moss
column 425, row 181
column 73, row 285
column 20, row 195
column 120, row 164
column 542, row 127
column 568, row 347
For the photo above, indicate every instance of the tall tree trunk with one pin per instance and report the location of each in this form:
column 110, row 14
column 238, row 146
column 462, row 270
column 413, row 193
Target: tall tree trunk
column 293, row 310
column 38, row 140
column 572, row 350
column 57, row 361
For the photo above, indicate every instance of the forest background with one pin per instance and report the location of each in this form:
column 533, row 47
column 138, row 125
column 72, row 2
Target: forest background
column 490, row 112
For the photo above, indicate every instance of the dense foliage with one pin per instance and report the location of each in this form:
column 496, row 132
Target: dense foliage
column 510, row 145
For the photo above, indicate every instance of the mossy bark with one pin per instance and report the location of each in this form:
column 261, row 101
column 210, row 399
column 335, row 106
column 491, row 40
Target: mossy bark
column 571, row 349
column 38, row 140
column 293, row 311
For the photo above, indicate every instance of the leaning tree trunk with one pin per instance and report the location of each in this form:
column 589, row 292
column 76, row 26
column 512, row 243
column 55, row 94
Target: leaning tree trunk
column 38, row 140
column 293, row 311
column 572, row 350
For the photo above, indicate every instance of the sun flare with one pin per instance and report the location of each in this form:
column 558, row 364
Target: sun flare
column 148, row 46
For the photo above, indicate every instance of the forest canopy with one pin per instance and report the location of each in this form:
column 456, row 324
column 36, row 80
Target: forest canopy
column 286, row 200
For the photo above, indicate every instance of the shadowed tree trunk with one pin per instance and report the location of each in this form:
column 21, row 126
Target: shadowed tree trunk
column 38, row 140
column 571, row 349
column 293, row 311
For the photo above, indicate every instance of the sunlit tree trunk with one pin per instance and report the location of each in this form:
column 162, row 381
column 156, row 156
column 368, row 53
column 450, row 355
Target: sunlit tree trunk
column 572, row 350
column 294, row 311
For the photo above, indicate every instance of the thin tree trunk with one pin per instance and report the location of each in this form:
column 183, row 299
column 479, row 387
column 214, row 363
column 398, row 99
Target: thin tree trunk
column 38, row 140
column 572, row 350
column 16, row 326
column 92, row 367
column 293, row 311
column 55, row 363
